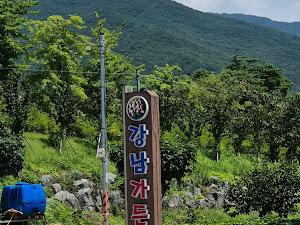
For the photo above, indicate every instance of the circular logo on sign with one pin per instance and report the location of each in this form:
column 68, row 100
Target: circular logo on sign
column 137, row 108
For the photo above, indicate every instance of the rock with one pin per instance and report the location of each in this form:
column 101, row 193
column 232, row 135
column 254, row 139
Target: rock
column 189, row 199
column 213, row 188
column 208, row 202
column 98, row 202
column 219, row 198
column 165, row 201
column 83, row 183
column 67, row 198
column 47, row 180
column 116, row 198
column 175, row 201
column 85, row 199
column 111, row 178
column 56, row 187
column 197, row 191
column 225, row 187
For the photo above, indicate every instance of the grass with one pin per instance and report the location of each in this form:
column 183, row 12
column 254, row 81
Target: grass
column 228, row 168
column 44, row 159
column 48, row 160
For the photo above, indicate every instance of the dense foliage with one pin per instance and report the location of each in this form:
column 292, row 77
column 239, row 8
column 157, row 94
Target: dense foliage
column 50, row 83
column 170, row 33
column 12, row 151
column 287, row 27
column 268, row 189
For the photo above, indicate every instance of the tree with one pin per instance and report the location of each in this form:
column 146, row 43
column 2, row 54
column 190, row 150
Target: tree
column 266, row 189
column 60, row 50
column 215, row 97
column 173, row 92
column 11, row 152
column 265, row 77
column 291, row 125
column 177, row 154
column 14, row 45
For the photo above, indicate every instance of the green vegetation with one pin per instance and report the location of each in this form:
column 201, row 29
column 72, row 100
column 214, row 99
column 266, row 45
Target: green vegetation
column 170, row 33
column 215, row 126
column 287, row 27
column 274, row 188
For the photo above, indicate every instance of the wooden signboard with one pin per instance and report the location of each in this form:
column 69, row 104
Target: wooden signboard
column 142, row 158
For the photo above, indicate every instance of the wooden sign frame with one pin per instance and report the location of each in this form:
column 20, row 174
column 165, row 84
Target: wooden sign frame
column 142, row 158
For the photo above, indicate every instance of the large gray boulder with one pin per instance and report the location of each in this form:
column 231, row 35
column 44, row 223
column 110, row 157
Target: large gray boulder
column 68, row 198
column 47, row 180
column 208, row 202
column 83, row 183
column 213, row 188
column 85, row 199
column 56, row 187
column 175, row 201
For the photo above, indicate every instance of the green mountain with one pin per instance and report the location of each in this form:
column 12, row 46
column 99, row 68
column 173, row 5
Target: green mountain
column 159, row 32
column 290, row 28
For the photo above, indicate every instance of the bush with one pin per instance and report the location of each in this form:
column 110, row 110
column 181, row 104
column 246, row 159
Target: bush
column 39, row 121
column 268, row 189
column 176, row 158
column 12, row 150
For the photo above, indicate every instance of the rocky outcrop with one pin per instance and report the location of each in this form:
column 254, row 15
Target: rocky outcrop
column 47, row 180
column 68, row 198
column 215, row 196
column 85, row 199
column 83, row 183
column 212, row 196
column 56, row 187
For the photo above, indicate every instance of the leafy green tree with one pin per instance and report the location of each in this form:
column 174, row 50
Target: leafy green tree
column 291, row 125
column 216, row 101
column 266, row 189
column 14, row 45
column 177, row 154
column 60, row 50
column 265, row 77
column 173, row 92
column 11, row 152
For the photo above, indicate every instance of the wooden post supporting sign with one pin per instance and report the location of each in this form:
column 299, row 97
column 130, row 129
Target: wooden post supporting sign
column 142, row 158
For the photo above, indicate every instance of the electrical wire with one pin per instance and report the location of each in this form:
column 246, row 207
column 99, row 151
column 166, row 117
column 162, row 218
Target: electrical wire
column 139, row 15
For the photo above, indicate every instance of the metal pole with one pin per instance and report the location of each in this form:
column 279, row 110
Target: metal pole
column 137, row 80
column 103, row 125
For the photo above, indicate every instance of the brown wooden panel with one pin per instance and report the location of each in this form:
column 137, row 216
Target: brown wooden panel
column 151, row 147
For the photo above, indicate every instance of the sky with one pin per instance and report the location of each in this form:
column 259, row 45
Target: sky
column 278, row 10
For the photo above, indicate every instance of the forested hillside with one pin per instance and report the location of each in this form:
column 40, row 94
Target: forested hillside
column 290, row 28
column 229, row 141
column 165, row 32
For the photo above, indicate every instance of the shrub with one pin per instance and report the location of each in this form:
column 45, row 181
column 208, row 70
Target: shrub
column 39, row 121
column 268, row 189
column 12, row 150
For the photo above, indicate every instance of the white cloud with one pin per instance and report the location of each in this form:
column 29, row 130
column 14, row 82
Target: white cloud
column 281, row 10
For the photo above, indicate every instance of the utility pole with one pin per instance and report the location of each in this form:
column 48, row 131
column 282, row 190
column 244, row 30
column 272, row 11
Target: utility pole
column 103, row 134
column 137, row 80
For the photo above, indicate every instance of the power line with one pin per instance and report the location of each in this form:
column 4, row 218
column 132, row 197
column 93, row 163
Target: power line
column 139, row 15
column 63, row 71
